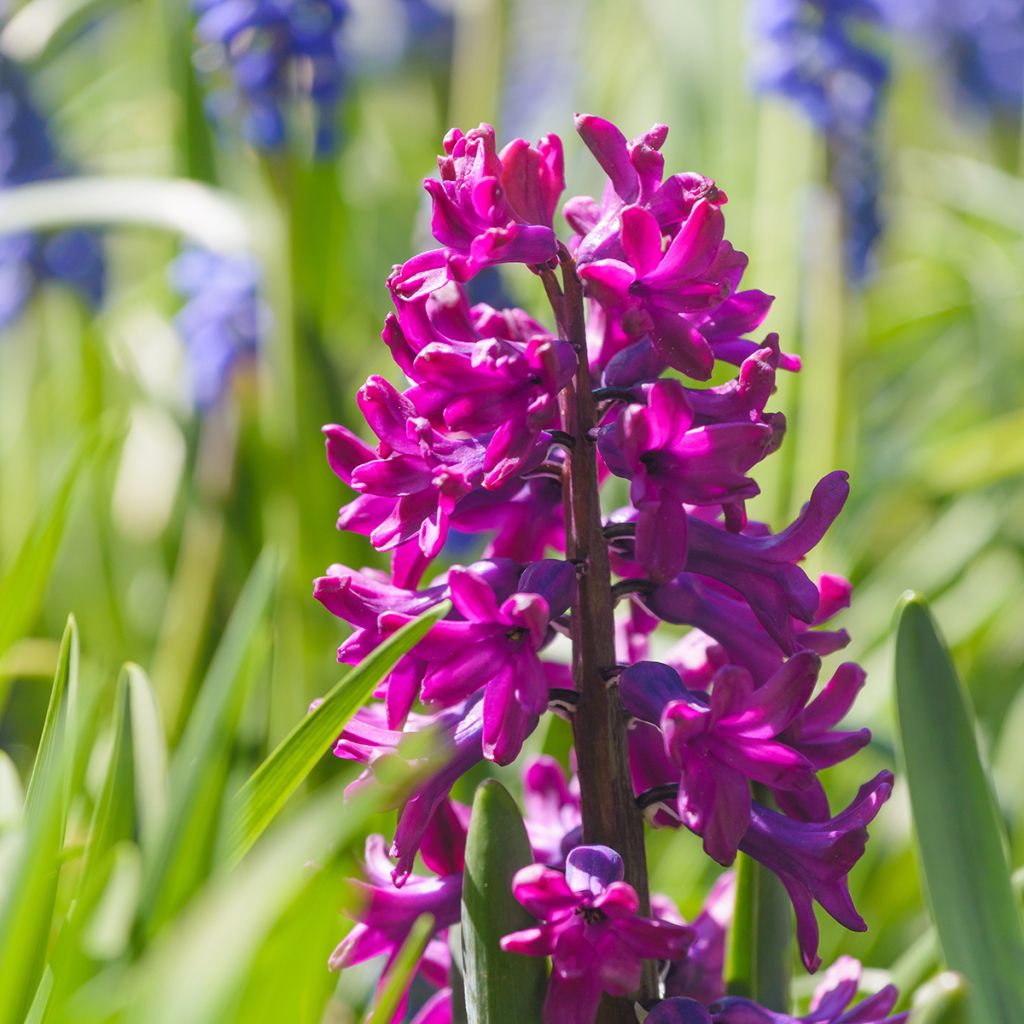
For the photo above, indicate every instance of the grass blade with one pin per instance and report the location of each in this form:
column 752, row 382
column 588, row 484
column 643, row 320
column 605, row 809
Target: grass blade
column 402, row 970
column 501, row 988
column 270, row 786
column 31, row 891
column 23, row 583
column 959, row 836
column 182, row 856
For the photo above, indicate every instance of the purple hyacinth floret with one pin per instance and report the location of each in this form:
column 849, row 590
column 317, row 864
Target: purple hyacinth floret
column 224, row 319
column 28, row 153
column 590, row 928
column 275, row 51
column 478, row 442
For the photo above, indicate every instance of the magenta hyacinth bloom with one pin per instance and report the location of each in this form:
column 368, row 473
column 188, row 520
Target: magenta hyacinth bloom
column 813, row 859
column 832, row 1003
column 495, row 647
column 495, row 208
column 699, row 974
column 591, row 929
column 387, row 914
column 723, row 745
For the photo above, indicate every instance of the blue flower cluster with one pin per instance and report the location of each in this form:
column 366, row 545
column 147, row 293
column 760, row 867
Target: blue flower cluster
column 223, row 321
column 980, row 41
column 28, row 153
column 276, row 51
column 809, row 52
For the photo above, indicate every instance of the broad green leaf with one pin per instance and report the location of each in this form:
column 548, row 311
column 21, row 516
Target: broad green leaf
column 758, row 949
column 182, row 856
column 266, row 792
column 501, row 988
column 402, row 970
column 959, row 836
column 28, row 903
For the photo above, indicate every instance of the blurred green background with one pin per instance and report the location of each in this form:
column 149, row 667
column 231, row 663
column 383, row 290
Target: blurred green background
column 124, row 505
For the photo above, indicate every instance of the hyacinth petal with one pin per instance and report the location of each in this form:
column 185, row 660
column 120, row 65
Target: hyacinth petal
column 835, row 699
column 387, row 413
column 647, row 687
column 543, row 891
column 777, row 702
column 529, row 941
column 678, row 1011
column 345, row 451
column 669, row 412
column 608, row 145
column 608, row 280
column 681, row 345
column 825, row 504
column 690, row 253
column 837, row 989
column 554, row 579
column 571, row 1000
column 726, row 812
column 618, row 901
column 592, row 869
column 641, row 238
column 394, row 477
column 463, row 673
column 773, row 764
column 436, row 1010
column 660, row 542
column 471, row 595
column 618, row 969
column 506, row 722
column 654, row 939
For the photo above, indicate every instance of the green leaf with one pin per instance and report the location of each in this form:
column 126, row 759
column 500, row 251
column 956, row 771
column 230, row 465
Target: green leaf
column 959, row 836
column 758, row 943
column 270, row 786
column 501, row 988
column 31, row 887
column 198, row 968
column 206, row 215
column 149, row 755
column 402, row 970
column 56, row 743
column 943, row 1000
column 23, row 583
column 180, row 859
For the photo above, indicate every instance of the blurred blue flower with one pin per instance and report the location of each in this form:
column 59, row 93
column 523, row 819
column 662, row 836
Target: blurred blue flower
column 810, row 52
column 28, row 153
column 980, row 41
column 276, row 51
column 223, row 321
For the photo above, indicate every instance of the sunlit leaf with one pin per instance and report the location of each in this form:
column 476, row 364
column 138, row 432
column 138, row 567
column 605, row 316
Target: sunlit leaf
column 959, row 835
column 266, row 792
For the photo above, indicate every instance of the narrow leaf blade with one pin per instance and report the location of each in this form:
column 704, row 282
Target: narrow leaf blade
column 402, row 970
column 959, row 836
column 270, row 786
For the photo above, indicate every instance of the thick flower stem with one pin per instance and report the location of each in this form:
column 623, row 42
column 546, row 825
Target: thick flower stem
column 610, row 814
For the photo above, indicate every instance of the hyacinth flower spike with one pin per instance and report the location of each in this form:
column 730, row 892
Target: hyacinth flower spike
column 506, row 427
